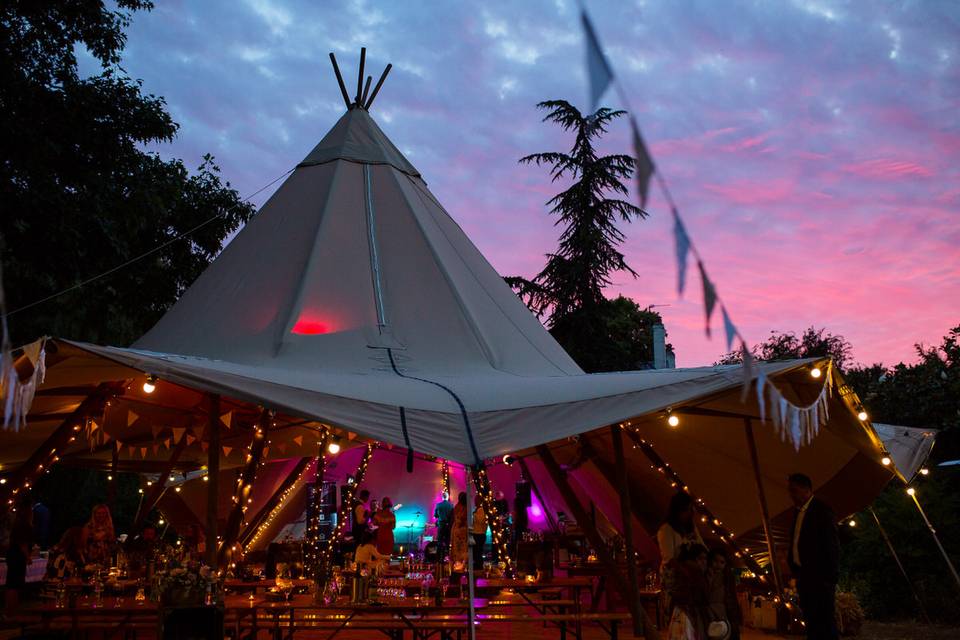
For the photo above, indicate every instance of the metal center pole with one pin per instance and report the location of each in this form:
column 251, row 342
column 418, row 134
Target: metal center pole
column 471, row 611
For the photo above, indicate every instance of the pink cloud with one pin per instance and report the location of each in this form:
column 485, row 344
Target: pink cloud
column 887, row 169
column 749, row 192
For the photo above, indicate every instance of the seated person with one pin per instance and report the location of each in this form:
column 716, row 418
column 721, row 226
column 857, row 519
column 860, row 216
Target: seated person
column 367, row 556
column 68, row 557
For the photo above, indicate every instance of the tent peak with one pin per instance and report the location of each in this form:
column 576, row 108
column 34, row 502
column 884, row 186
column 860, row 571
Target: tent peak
column 363, row 98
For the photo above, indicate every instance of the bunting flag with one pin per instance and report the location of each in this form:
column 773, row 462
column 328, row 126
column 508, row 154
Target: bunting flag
column 598, row 69
column 747, row 359
column 18, row 387
column 226, row 451
column 644, row 168
column 178, row 433
column 682, row 242
column 93, row 426
column 143, row 452
column 118, row 445
column 131, row 418
column 105, row 436
column 761, row 395
column 796, row 425
column 190, row 439
column 266, row 452
column 227, row 419
column 709, row 295
column 167, row 442
column 728, row 327
column 351, row 435
column 204, row 446
column 298, row 440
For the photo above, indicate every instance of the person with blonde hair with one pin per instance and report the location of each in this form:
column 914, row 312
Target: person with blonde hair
column 100, row 535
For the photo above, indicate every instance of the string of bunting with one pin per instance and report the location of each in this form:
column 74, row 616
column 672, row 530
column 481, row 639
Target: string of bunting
column 799, row 425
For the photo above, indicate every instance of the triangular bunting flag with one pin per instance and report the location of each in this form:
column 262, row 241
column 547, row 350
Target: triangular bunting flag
column 644, row 168
column 298, row 440
column 682, row 242
column 178, row 433
column 190, row 439
column 204, row 446
column 728, row 327
column 747, row 360
column 118, row 444
column 143, row 452
column 93, row 426
column 227, row 419
column 351, row 435
column 598, row 69
column 266, row 452
column 131, row 418
column 709, row 295
column 167, row 442
column 106, row 437
column 226, row 451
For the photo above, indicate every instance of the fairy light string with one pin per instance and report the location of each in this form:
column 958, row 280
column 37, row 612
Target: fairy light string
column 311, row 549
column 323, row 562
column 481, row 483
column 277, row 508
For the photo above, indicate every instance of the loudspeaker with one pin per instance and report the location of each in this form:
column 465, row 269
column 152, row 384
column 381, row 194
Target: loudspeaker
column 522, row 496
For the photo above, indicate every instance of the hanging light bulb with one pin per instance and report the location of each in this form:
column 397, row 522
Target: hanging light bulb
column 924, row 471
column 885, row 461
column 911, row 491
column 815, row 373
column 862, row 415
column 334, row 446
column 852, row 523
column 673, row 420
column 150, row 384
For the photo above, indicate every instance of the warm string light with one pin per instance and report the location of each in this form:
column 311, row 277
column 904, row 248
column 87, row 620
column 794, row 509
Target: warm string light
column 242, row 494
column 277, row 508
column 345, row 506
column 311, row 549
column 482, row 484
column 445, row 477
column 707, row 517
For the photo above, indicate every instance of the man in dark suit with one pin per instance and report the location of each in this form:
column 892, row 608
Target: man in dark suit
column 814, row 558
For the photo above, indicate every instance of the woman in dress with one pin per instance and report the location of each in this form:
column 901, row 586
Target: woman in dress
column 688, row 595
column 458, row 534
column 679, row 530
column 385, row 521
column 100, row 536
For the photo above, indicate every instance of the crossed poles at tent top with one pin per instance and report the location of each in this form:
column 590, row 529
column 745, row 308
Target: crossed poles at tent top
column 363, row 99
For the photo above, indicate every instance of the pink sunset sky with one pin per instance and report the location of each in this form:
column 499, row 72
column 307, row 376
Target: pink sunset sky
column 813, row 147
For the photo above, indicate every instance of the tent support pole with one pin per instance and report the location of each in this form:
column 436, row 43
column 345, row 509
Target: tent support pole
column 551, row 520
column 933, row 532
column 254, row 523
column 471, row 606
column 608, row 474
column 764, row 512
column 213, row 477
column 244, row 487
column 346, row 507
column 156, row 491
column 314, row 570
column 594, row 537
column 896, row 558
column 46, row 454
column 626, row 517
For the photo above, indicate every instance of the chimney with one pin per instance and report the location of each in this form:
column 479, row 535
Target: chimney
column 659, row 347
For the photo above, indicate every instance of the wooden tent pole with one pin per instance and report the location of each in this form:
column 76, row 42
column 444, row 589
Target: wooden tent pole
column 551, row 520
column 313, row 526
column 250, row 529
column 48, row 452
column 156, row 491
column 596, row 540
column 213, row 477
column 764, row 512
column 626, row 517
column 896, row 558
column 244, row 488
column 343, row 88
column 613, row 480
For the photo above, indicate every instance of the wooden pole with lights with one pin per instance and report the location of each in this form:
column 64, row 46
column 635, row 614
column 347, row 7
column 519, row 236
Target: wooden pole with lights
column 49, row 452
column 626, row 516
column 896, row 558
column 112, row 477
column 764, row 511
column 313, row 550
column 323, row 562
column 213, row 476
column 933, row 532
column 244, row 487
column 595, row 539
column 482, row 484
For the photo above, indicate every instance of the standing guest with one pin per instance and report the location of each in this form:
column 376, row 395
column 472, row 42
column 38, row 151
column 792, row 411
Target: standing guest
column 722, row 593
column 18, row 551
column 68, row 557
column 679, row 530
column 386, row 521
column 479, row 533
column 458, row 533
column 361, row 515
column 100, row 536
column 443, row 516
column 814, row 558
column 688, row 595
